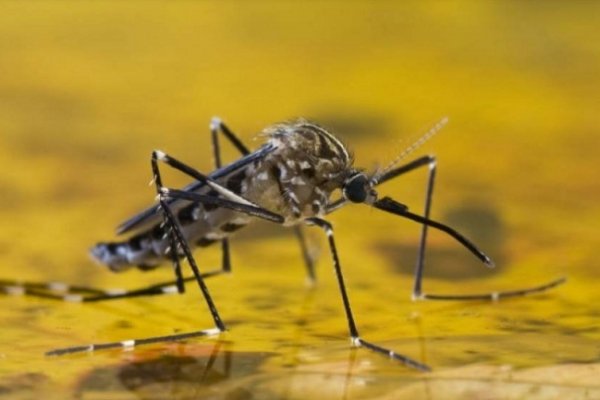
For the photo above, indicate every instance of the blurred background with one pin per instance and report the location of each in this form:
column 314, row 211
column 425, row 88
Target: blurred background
column 88, row 89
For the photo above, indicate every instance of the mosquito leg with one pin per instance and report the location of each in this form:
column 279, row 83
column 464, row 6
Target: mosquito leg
column 131, row 343
column 216, row 126
column 495, row 296
column 418, row 163
column 211, row 360
column 308, row 260
column 232, row 201
column 164, row 195
column 418, row 294
column 176, row 164
column 245, row 208
column 177, row 236
column 84, row 294
column 174, row 251
column 60, row 291
column 403, row 169
column 420, row 264
column 354, row 336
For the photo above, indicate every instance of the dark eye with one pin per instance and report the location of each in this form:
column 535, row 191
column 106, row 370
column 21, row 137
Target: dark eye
column 355, row 189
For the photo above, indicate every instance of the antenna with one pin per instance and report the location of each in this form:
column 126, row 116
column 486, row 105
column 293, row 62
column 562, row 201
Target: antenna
column 418, row 143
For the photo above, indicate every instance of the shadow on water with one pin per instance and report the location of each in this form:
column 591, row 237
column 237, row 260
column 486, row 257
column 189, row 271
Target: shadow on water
column 192, row 374
column 480, row 223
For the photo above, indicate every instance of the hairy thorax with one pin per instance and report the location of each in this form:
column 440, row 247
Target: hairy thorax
column 298, row 178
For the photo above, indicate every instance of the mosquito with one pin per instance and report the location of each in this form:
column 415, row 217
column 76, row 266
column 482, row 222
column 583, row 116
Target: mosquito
column 296, row 178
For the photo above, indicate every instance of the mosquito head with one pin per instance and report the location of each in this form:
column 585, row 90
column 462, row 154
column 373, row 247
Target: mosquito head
column 359, row 189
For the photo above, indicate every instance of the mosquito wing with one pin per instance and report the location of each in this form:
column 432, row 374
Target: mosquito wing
column 151, row 216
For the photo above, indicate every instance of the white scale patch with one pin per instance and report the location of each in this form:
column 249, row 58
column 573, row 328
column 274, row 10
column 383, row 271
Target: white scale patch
column 170, row 289
column 284, row 171
column 73, row 298
column 58, row 287
column 211, row 332
column 195, row 213
column 14, row 290
column 115, row 292
column 325, row 161
column 319, row 206
column 240, row 221
column 293, row 197
column 304, row 164
column 215, row 236
column 128, row 344
column 291, row 163
column 320, row 192
column 298, row 181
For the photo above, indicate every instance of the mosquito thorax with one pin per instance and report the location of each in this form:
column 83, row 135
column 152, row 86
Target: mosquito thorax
column 358, row 189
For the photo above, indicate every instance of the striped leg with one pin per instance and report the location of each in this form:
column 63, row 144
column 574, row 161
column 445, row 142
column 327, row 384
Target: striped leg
column 239, row 205
column 418, row 293
column 73, row 293
column 85, row 294
column 216, row 126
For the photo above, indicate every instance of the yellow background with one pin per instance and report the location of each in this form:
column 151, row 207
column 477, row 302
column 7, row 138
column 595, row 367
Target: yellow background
column 88, row 89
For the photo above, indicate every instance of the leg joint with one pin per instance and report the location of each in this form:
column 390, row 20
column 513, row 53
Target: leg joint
column 215, row 123
column 321, row 223
column 158, row 155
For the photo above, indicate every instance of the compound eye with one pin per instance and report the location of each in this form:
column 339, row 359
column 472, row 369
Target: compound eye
column 356, row 189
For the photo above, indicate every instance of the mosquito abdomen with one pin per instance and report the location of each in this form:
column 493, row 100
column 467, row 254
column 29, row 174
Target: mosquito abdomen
column 117, row 256
column 151, row 248
column 145, row 250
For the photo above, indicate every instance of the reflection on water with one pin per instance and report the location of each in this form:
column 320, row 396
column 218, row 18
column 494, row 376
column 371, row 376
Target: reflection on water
column 175, row 376
column 214, row 372
column 30, row 385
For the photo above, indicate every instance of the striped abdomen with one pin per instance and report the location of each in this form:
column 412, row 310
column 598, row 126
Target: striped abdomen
column 201, row 226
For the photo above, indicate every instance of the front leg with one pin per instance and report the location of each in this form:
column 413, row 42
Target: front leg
column 418, row 294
